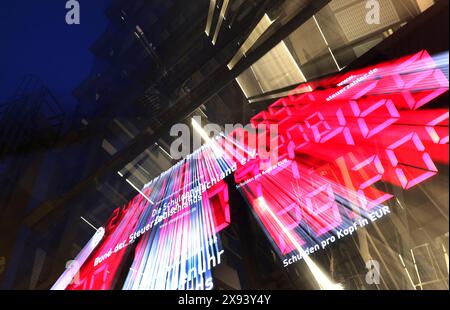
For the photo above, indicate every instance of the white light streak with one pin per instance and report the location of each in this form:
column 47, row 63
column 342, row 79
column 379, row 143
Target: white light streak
column 417, row 270
column 139, row 191
column 165, row 152
column 326, row 42
column 89, row 223
column 445, row 256
column 67, row 277
column 407, row 272
column 322, row 279
column 217, row 151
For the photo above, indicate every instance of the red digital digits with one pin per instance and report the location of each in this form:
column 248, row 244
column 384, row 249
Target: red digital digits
column 354, row 131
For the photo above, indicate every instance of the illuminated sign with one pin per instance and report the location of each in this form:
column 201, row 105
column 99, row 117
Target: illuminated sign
column 337, row 143
column 166, row 237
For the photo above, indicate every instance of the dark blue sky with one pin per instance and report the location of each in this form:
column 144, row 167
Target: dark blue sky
column 34, row 38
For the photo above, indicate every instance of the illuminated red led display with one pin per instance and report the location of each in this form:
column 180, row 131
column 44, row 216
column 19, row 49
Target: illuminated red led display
column 341, row 138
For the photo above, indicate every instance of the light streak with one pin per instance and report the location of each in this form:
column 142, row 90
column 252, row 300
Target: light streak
column 417, row 270
column 95, row 228
column 198, row 128
column 407, row 272
column 445, row 256
column 326, row 43
column 139, row 191
column 322, row 279
column 73, row 269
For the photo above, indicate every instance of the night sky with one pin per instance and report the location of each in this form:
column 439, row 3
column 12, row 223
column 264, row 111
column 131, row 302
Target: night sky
column 34, row 38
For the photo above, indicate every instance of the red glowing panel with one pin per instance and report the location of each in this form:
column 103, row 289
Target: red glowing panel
column 344, row 136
